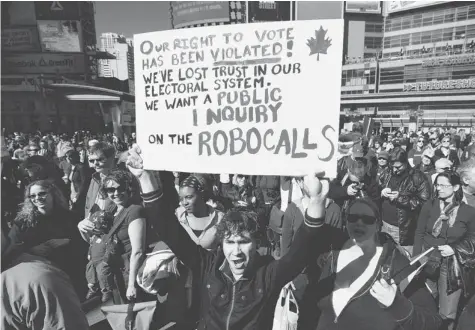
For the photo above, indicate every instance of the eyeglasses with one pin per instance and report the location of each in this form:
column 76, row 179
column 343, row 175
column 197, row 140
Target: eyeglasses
column 40, row 195
column 445, row 186
column 366, row 219
column 112, row 190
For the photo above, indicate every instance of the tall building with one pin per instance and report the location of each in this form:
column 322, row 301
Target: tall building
column 130, row 58
column 117, row 45
column 43, row 43
column 425, row 73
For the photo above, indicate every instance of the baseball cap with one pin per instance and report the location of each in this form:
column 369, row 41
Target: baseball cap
column 383, row 154
column 357, row 150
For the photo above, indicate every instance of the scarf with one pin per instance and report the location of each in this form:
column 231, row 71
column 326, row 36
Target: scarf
column 448, row 213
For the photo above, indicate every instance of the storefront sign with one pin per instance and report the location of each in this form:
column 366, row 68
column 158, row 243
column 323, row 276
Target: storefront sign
column 447, row 61
column 43, row 63
column 57, row 10
column 257, row 99
column 60, row 36
column 187, row 13
column 20, row 39
column 367, row 7
column 440, row 85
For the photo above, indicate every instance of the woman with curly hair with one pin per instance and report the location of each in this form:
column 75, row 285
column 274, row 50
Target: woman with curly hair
column 128, row 229
column 43, row 224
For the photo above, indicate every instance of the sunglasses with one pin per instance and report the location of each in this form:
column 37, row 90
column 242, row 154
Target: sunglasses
column 382, row 159
column 397, row 167
column 366, row 219
column 40, row 195
column 112, row 190
column 421, row 141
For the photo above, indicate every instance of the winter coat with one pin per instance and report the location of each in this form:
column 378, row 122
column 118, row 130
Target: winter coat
column 414, row 191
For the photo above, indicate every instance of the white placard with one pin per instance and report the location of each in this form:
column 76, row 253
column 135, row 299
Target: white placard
column 258, row 98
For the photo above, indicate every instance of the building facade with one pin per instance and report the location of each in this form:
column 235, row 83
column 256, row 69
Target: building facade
column 43, row 43
column 425, row 73
column 116, row 45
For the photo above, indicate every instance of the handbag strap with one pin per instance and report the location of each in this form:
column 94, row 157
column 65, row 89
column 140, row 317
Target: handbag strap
column 115, row 226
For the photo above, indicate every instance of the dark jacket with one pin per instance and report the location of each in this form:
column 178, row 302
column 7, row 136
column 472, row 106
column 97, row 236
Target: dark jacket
column 413, row 309
column 80, row 179
column 225, row 303
column 269, row 186
column 453, row 157
column 414, row 191
column 461, row 237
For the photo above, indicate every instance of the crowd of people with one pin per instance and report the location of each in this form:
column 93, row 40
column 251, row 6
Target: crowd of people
column 82, row 220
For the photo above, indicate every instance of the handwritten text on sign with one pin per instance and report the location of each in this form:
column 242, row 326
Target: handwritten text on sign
column 253, row 98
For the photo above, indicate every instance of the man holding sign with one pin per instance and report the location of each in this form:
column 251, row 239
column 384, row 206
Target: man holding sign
column 253, row 98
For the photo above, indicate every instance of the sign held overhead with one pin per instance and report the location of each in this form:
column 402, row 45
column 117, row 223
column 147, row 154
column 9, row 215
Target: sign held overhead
column 259, row 98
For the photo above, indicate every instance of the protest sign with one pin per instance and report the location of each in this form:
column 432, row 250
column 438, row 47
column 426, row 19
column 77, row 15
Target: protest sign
column 258, row 98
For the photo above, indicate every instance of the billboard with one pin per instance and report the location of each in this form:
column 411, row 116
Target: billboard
column 440, row 85
column 186, row 13
column 60, row 36
column 269, row 11
column 57, row 10
column 397, row 6
column 18, row 39
column 18, row 13
column 307, row 10
column 43, row 63
column 367, row 7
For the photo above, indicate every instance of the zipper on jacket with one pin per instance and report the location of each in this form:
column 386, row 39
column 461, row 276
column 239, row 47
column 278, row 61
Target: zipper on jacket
column 356, row 297
column 232, row 306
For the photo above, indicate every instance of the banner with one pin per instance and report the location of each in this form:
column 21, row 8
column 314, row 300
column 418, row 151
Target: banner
column 440, row 85
column 43, row 63
column 60, row 36
column 453, row 60
column 188, row 13
column 15, row 13
column 259, row 98
column 397, row 6
column 367, row 7
column 20, row 39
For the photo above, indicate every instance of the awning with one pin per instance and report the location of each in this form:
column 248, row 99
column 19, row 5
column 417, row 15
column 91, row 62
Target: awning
column 77, row 92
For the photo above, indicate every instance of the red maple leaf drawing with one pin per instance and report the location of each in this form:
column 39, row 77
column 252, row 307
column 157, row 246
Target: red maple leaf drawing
column 319, row 44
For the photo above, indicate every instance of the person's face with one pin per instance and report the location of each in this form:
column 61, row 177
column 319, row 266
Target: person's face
column 444, row 188
column 420, row 143
column 398, row 168
column 239, row 251
column 188, row 198
column 117, row 193
column 43, row 145
column 240, row 181
column 439, row 169
column 390, row 138
column 101, row 163
column 377, row 145
column 434, row 141
column 385, row 144
column 382, row 162
column 446, row 142
column 361, row 228
column 134, row 135
column 41, row 199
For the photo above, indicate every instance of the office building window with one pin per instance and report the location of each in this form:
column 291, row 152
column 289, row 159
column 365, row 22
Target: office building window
column 372, row 42
column 449, row 15
column 462, row 14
